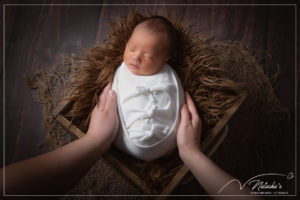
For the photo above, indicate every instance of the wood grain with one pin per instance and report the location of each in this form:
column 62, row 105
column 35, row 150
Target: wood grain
column 36, row 37
column 209, row 145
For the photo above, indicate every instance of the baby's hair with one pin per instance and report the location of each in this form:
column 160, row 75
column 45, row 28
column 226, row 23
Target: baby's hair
column 160, row 24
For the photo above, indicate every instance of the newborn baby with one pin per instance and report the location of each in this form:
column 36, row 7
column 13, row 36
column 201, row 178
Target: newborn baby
column 149, row 92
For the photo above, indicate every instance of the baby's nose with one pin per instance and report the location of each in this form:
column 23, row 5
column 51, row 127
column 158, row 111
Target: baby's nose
column 137, row 56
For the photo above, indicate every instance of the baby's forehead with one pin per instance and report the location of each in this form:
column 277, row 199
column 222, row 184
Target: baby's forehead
column 149, row 39
column 159, row 36
column 146, row 29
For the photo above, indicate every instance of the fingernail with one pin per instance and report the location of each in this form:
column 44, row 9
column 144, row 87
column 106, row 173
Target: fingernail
column 110, row 93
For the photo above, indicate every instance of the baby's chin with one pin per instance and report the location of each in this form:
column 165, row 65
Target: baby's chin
column 135, row 71
column 139, row 72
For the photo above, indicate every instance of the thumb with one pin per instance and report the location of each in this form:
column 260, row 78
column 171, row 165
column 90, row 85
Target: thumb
column 185, row 116
column 111, row 102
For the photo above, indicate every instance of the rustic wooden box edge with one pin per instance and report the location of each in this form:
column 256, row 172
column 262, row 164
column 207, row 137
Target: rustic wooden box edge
column 220, row 130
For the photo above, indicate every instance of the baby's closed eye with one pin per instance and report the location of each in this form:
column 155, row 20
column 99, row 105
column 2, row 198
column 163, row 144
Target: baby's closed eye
column 148, row 56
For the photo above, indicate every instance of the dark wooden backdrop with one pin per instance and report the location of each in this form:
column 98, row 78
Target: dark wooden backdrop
column 37, row 37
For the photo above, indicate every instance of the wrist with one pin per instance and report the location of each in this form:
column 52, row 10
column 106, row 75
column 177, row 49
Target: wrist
column 189, row 153
column 98, row 142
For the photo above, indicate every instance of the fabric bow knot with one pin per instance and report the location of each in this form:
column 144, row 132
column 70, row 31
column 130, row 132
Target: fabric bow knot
column 147, row 91
column 151, row 109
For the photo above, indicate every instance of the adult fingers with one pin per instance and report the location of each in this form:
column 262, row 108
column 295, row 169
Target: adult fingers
column 111, row 102
column 103, row 96
column 192, row 108
column 185, row 116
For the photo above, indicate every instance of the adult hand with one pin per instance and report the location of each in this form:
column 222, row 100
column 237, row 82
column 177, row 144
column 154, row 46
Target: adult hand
column 189, row 130
column 57, row 171
column 104, row 122
column 211, row 177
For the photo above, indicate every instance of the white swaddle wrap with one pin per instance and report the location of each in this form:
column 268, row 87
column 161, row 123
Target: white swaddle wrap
column 149, row 111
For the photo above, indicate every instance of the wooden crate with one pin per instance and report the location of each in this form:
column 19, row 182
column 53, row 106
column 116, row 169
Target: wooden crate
column 208, row 145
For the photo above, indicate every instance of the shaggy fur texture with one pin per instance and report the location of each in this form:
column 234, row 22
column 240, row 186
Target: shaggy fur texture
column 213, row 73
column 196, row 62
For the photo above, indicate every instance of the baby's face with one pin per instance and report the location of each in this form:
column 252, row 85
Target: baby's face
column 146, row 52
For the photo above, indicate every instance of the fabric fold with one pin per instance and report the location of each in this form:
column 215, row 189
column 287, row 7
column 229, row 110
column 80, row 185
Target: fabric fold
column 148, row 110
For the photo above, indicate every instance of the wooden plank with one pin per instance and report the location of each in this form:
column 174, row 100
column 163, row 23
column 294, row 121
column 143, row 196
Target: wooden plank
column 184, row 170
column 219, row 141
column 32, row 53
column 174, row 182
column 221, row 123
column 111, row 159
column 127, row 173
column 60, row 107
column 206, row 143
column 69, row 126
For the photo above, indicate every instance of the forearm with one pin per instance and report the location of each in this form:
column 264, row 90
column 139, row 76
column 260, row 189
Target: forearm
column 54, row 172
column 57, row 171
column 211, row 177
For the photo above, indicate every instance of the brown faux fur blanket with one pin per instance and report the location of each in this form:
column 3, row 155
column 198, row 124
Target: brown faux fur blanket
column 214, row 73
column 196, row 62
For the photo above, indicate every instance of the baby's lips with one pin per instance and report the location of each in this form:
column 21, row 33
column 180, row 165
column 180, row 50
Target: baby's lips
column 134, row 66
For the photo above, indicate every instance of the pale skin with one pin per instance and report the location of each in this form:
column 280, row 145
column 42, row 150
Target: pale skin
column 208, row 174
column 57, row 171
column 146, row 51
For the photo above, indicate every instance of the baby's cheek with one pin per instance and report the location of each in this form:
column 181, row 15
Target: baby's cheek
column 126, row 54
column 154, row 67
column 148, row 68
column 126, row 58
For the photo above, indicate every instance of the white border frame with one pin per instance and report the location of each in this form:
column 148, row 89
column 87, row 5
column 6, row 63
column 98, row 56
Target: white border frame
column 295, row 5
